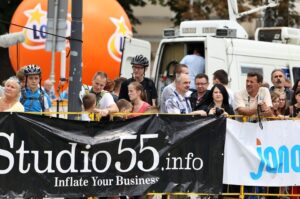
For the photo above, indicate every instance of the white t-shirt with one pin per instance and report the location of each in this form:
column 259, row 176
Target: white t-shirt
column 230, row 96
column 85, row 117
column 243, row 99
column 105, row 101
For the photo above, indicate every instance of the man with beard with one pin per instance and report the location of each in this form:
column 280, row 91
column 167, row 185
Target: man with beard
column 278, row 80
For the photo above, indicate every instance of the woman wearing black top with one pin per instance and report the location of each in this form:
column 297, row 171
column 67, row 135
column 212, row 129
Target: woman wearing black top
column 295, row 108
column 217, row 102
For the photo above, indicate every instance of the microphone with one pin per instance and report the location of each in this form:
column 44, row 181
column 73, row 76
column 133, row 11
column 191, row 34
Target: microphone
column 261, row 95
column 10, row 39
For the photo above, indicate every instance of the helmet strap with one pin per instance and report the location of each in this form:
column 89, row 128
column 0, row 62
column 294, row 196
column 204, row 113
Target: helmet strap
column 26, row 81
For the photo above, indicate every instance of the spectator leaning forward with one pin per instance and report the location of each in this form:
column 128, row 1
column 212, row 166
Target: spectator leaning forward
column 105, row 104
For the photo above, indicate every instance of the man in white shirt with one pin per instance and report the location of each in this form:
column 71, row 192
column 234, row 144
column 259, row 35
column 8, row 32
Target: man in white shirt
column 105, row 103
column 196, row 65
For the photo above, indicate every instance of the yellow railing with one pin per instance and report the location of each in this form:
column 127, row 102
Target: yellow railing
column 241, row 195
column 126, row 115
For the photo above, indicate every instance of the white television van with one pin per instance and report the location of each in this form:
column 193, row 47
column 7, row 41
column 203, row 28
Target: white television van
column 225, row 45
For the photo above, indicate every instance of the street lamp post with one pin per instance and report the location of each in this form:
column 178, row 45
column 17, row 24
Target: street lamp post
column 75, row 73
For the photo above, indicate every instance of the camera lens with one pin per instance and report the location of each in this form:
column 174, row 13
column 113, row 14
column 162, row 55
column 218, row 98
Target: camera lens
column 219, row 111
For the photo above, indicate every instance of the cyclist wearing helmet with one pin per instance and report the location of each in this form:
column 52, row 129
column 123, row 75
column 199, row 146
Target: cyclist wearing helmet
column 139, row 66
column 33, row 98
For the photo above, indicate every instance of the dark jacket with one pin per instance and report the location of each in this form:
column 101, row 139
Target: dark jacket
column 195, row 104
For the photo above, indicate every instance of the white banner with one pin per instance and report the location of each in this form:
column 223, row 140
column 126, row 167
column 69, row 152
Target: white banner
column 262, row 157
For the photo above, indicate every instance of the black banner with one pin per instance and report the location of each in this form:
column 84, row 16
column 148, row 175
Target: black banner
column 42, row 156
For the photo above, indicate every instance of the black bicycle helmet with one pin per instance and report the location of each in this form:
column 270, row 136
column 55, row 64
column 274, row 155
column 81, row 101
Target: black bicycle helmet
column 140, row 60
column 32, row 69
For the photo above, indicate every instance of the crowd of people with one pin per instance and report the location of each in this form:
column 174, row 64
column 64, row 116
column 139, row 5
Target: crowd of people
column 138, row 94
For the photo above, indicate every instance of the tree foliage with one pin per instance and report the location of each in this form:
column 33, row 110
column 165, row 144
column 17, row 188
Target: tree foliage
column 7, row 8
column 285, row 14
column 204, row 9
column 127, row 6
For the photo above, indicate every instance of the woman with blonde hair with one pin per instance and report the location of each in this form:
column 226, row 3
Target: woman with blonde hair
column 137, row 97
column 10, row 101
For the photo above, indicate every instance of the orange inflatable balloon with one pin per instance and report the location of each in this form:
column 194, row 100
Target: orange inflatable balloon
column 104, row 25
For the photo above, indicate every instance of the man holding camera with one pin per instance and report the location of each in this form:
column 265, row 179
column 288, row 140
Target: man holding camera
column 254, row 100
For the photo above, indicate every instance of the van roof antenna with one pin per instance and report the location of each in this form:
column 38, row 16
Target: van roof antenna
column 232, row 9
column 234, row 13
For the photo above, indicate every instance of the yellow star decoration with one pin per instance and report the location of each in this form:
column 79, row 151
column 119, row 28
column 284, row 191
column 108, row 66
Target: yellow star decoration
column 35, row 15
column 122, row 27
